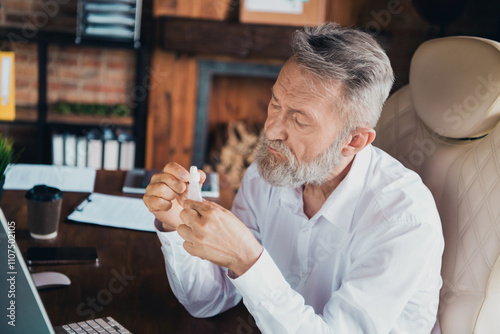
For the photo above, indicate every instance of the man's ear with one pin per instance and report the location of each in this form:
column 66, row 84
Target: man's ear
column 357, row 141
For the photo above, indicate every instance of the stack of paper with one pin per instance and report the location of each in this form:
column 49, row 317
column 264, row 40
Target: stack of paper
column 114, row 211
column 25, row 176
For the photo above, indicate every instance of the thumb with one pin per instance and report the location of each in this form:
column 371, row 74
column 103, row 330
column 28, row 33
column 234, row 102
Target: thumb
column 203, row 176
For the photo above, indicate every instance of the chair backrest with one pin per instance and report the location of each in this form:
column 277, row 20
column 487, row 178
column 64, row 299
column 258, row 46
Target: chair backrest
column 445, row 126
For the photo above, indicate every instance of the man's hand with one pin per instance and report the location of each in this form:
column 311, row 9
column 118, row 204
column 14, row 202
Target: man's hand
column 166, row 194
column 215, row 234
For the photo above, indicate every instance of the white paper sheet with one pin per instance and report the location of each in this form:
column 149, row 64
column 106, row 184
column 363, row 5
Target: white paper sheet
column 114, row 211
column 6, row 70
column 25, row 176
column 275, row 6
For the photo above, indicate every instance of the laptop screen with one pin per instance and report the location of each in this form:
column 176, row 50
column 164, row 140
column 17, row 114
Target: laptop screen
column 21, row 306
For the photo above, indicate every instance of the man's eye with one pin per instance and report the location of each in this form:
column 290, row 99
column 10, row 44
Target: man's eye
column 302, row 125
column 298, row 122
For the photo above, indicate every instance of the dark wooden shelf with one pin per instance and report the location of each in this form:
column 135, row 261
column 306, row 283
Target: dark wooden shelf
column 59, row 37
column 225, row 38
column 89, row 120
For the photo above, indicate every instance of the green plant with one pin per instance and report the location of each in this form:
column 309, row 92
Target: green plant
column 7, row 154
column 66, row 108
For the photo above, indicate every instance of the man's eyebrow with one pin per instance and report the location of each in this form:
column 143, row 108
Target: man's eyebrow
column 298, row 111
column 302, row 112
column 272, row 94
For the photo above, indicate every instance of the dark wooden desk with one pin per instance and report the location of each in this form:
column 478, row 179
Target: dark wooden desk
column 129, row 283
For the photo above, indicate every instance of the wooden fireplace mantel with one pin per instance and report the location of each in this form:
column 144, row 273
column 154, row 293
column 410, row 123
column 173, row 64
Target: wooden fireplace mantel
column 225, row 38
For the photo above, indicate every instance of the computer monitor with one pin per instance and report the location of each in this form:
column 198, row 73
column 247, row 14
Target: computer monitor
column 20, row 302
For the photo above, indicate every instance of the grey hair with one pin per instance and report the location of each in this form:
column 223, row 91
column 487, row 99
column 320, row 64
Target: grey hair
column 334, row 54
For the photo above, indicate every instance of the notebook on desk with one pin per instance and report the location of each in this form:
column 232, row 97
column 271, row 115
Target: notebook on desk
column 20, row 302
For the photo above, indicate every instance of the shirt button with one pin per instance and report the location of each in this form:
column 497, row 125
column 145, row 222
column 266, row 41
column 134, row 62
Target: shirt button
column 306, row 230
column 167, row 243
column 303, row 275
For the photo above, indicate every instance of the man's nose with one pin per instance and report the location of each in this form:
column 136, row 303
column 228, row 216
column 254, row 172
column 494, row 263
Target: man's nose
column 275, row 126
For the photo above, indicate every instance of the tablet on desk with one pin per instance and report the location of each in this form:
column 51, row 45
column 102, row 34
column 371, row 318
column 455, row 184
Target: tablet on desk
column 136, row 181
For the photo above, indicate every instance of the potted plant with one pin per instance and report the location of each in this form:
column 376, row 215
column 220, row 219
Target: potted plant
column 7, row 156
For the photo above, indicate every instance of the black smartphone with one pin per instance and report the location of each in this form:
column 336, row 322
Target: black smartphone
column 61, row 255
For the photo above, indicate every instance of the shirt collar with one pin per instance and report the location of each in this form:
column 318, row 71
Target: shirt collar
column 344, row 199
column 340, row 206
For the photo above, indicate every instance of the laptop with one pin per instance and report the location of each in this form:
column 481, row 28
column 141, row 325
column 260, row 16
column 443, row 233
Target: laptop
column 22, row 310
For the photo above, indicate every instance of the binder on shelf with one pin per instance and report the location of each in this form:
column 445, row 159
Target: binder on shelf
column 7, row 87
column 127, row 155
column 127, row 151
column 110, row 150
column 57, row 149
column 94, row 150
column 81, row 151
column 110, row 154
column 70, row 150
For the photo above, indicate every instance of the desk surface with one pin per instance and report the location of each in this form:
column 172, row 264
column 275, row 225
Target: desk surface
column 129, row 283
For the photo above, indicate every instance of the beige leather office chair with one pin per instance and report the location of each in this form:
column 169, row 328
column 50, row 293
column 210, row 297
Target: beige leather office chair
column 445, row 126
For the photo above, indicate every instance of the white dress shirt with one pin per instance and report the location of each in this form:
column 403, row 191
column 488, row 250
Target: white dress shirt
column 367, row 262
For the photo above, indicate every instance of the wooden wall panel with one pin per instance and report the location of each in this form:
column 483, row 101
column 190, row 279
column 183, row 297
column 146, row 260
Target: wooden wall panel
column 239, row 99
column 170, row 124
column 201, row 9
column 346, row 13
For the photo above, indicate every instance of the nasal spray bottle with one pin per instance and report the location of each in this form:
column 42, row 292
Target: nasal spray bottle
column 194, row 189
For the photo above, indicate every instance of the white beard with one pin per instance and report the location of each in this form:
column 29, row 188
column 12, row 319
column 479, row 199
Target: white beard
column 292, row 172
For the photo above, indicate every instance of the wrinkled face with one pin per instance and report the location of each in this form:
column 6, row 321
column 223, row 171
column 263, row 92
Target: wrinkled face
column 300, row 143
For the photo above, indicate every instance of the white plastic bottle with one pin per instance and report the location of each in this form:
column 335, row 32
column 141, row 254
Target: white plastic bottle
column 194, row 189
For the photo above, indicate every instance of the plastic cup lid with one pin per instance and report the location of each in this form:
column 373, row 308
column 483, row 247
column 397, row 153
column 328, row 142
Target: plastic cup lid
column 41, row 192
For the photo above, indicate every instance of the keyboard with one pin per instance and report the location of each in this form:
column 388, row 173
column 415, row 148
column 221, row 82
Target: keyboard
column 96, row 326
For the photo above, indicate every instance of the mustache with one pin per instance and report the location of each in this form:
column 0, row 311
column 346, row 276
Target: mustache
column 277, row 145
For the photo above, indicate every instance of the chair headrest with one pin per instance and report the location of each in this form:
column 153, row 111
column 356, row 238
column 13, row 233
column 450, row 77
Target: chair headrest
column 455, row 85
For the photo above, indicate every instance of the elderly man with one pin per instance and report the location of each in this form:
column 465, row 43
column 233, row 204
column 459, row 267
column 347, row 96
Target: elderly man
column 327, row 233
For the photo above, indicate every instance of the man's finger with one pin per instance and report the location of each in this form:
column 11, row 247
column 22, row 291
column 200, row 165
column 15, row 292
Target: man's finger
column 160, row 190
column 176, row 170
column 185, row 231
column 155, row 203
column 170, row 181
column 203, row 176
column 188, row 216
column 202, row 208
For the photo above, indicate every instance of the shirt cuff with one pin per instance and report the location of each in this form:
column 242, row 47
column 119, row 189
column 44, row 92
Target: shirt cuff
column 169, row 240
column 262, row 283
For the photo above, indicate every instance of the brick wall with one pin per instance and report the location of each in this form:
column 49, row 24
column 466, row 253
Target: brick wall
column 75, row 74
column 26, row 69
column 90, row 75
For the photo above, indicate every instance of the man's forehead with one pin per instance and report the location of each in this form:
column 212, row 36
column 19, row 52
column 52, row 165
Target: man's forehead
column 296, row 80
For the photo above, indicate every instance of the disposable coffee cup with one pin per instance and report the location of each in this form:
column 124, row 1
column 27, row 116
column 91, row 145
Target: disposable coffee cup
column 44, row 210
